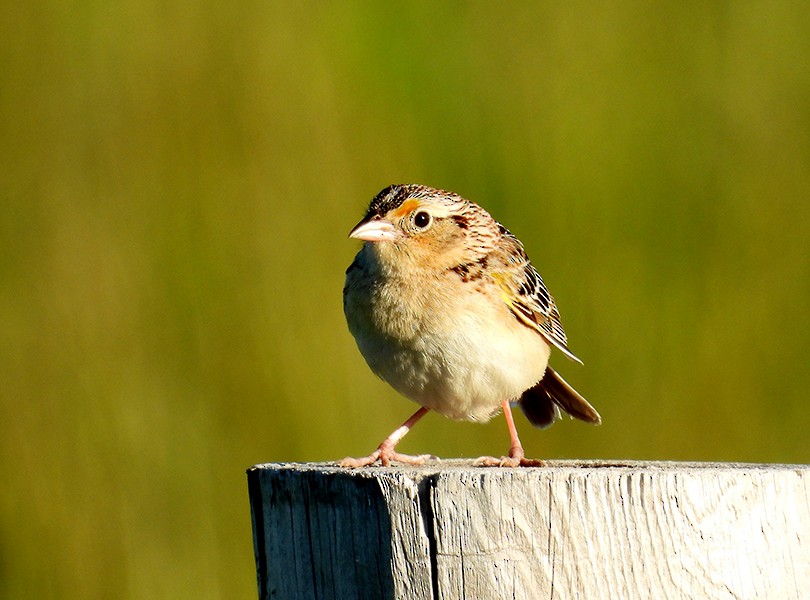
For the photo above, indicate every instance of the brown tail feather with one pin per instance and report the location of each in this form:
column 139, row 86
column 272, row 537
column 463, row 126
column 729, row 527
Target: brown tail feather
column 542, row 403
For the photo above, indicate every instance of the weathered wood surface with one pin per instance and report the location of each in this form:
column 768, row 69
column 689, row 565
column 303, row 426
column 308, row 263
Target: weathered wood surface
column 569, row 530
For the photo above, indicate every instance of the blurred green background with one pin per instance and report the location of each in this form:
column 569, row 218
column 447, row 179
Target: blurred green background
column 177, row 184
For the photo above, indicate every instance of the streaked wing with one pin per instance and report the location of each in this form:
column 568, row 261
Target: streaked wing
column 526, row 294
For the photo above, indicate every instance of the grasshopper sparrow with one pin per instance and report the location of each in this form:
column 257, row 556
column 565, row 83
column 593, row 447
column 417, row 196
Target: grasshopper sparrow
column 446, row 307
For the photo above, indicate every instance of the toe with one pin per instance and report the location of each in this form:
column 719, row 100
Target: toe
column 508, row 462
column 356, row 463
column 488, row 461
column 410, row 460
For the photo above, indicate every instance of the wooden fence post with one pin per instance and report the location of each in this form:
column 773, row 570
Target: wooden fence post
column 570, row 530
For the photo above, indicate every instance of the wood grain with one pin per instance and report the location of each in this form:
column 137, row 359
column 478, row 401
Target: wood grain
column 569, row 530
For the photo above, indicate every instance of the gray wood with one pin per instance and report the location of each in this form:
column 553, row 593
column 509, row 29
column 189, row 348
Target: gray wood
column 569, row 530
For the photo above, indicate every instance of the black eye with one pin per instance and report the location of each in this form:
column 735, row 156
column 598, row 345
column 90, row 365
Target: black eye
column 421, row 219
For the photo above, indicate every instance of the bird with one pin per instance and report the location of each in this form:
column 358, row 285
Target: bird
column 446, row 307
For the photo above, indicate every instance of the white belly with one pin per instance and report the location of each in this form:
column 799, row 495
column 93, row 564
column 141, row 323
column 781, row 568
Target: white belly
column 459, row 356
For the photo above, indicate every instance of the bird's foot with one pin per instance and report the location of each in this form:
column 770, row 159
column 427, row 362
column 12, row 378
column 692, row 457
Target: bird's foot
column 516, row 458
column 386, row 456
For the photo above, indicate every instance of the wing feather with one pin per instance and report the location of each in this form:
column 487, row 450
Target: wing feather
column 526, row 295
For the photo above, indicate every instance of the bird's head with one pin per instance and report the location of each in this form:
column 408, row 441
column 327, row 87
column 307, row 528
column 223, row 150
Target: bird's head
column 417, row 227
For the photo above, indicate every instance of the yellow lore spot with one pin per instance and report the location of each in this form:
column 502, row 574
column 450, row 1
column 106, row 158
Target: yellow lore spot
column 407, row 207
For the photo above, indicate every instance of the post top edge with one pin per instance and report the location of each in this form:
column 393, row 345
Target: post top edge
column 454, row 465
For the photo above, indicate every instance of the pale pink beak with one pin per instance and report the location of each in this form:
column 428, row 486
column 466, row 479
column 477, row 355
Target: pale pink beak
column 375, row 231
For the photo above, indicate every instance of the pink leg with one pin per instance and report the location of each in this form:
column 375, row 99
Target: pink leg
column 517, row 457
column 385, row 452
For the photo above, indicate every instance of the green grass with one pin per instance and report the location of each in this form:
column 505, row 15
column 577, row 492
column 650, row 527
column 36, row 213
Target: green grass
column 176, row 187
